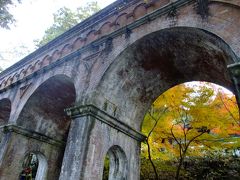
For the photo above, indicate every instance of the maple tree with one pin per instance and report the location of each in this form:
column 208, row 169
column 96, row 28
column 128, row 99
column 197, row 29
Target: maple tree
column 190, row 120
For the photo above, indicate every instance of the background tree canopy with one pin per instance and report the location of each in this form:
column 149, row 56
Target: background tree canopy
column 6, row 18
column 190, row 121
column 65, row 19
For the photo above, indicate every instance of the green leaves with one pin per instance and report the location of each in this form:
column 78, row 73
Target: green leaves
column 197, row 119
column 65, row 19
column 6, row 18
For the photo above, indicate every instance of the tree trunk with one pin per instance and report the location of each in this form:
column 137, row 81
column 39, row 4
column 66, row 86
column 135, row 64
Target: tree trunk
column 179, row 167
column 150, row 158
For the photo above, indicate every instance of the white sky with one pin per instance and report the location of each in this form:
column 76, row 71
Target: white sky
column 33, row 18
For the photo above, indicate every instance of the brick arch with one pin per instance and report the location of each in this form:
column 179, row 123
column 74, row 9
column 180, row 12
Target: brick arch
column 216, row 22
column 106, row 28
column 140, row 10
column 15, row 77
column 159, row 61
column 9, row 80
column 43, row 111
column 5, row 110
column 2, row 84
column 41, row 161
column 188, row 17
column 46, row 61
column 121, row 20
column 66, row 50
column 37, row 65
column 157, row 4
column 91, row 36
column 29, row 69
column 22, row 73
column 118, row 163
column 56, row 55
column 78, row 43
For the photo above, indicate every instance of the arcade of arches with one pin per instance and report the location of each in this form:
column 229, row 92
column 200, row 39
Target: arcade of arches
column 71, row 112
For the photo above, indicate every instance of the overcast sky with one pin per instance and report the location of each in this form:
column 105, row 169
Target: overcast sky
column 33, row 17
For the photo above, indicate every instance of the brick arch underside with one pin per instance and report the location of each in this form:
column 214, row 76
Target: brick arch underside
column 44, row 110
column 159, row 61
column 5, row 110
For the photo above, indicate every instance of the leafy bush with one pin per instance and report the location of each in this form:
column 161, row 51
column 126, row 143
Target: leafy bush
column 194, row 168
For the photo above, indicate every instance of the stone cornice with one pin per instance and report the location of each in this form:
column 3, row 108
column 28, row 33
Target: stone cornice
column 28, row 67
column 86, row 24
column 93, row 111
column 32, row 134
column 71, row 56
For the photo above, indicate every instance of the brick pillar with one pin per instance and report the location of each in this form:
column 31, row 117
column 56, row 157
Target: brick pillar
column 76, row 148
column 4, row 141
column 92, row 134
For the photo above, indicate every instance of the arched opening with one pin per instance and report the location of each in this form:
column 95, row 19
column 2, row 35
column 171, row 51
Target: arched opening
column 106, row 167
column 190, row 129
column 34, row 167
column 44, row 110
column 5, row 110
column 159, row 61
column 115, row 164
column 46, row 125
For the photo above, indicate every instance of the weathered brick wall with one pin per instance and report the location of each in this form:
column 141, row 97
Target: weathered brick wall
column 102, row 138
column 19, row 146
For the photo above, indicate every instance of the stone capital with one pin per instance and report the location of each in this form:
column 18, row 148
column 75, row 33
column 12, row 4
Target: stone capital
column 104, row 117
column 31, row 134
column 234, row 69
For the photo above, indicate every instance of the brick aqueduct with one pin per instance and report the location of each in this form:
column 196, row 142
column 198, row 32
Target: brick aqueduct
column 105, row 73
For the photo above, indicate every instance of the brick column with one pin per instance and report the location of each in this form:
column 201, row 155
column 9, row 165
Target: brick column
column 92, row 133
column 77, row 145
column 4, row 141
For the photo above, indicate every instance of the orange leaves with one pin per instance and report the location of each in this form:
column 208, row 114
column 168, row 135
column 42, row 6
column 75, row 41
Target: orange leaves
column 188, row 109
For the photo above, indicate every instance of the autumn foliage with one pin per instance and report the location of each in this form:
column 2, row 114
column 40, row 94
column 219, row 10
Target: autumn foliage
column 190, row 120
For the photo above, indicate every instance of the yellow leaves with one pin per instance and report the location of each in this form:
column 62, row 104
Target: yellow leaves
column 187, row 110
